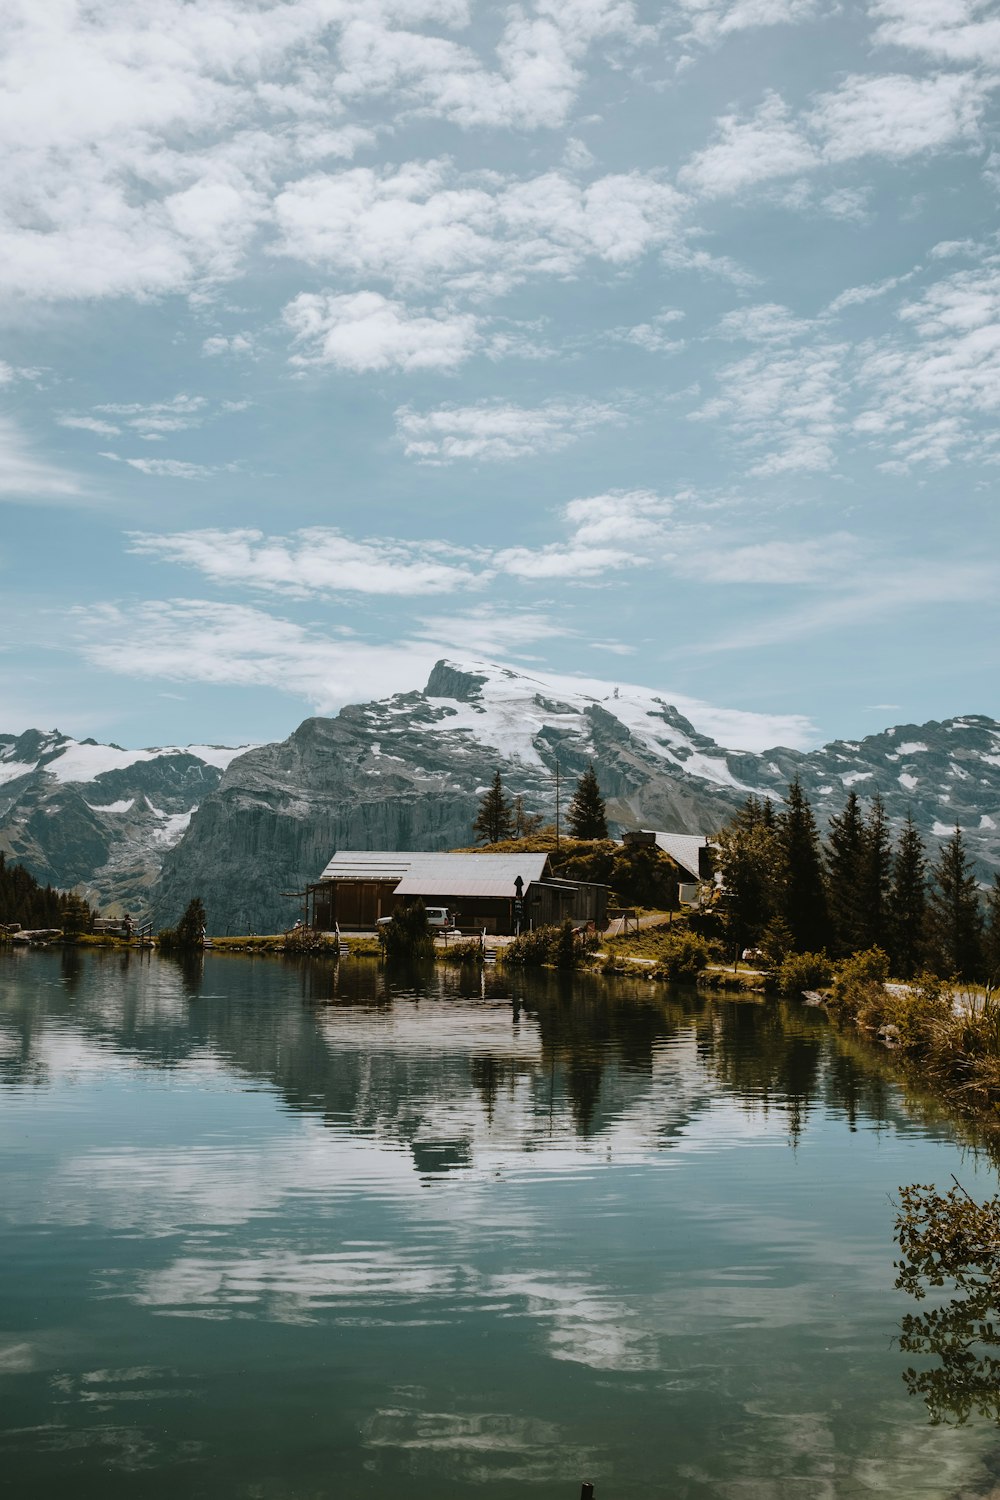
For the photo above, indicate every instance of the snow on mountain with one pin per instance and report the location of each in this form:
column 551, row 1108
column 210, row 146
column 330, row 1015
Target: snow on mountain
column 99, row 818
column 239, row 827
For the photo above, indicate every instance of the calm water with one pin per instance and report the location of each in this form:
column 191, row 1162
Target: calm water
column 268, row 1232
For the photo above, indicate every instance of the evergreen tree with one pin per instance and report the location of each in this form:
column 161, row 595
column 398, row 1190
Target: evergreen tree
column 802, row 896
column 587, row 815
column 191, row 927
column 494, row 820
column 956, row 915
column 907, row 906
column 747, row 859
column 845, row 854
column 876, row 876
column 991, row 937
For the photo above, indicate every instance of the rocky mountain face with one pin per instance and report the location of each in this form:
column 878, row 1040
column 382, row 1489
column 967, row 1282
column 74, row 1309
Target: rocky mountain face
column 98, row 818
column 408, row 772
column 240, row 829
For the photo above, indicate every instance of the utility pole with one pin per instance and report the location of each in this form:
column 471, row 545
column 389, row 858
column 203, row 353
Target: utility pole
column 557, row 802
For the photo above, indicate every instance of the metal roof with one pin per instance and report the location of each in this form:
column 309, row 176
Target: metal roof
column 420, row 874
column 683, row 849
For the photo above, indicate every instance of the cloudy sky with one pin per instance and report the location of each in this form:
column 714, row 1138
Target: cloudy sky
column 653, row 342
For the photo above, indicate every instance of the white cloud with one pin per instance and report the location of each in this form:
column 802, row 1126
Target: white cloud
column 957, row 31
column 897, row 116
column 362, row 331
column 712, row 20
column 90, row 424
column 24, row 476
column 779, row 561
column 894, row 116
column 319, row 559
column 491, row 630
column 164, row 468
column 426, row 224
column 656, row 335
column 929, row 397
column 197, row 640
column 747, row 152
column 765, row 323
column 141, row 148
column 235, row 343
column 786, row 406
column 495, row 431
column 894, row 589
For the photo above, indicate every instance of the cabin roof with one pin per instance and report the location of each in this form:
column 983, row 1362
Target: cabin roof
column 414, row 873
column 683, row 849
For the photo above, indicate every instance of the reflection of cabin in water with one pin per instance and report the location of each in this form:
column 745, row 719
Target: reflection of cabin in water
column 480, row 890
column 690, row 852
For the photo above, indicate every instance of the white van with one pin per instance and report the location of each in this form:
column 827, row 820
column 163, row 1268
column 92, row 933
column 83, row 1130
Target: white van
column 438, row 918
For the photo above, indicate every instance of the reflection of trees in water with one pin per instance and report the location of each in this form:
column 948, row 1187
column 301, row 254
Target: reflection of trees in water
column 419, row 1057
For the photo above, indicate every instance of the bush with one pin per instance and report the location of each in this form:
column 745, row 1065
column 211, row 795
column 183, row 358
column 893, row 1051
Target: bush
column 551, row 947
column 682, row 956
column 469, row 952
column 407, row 937
column 803, row 971
column 859, row 985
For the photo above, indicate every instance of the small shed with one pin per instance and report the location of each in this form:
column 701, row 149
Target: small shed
column 480, row 890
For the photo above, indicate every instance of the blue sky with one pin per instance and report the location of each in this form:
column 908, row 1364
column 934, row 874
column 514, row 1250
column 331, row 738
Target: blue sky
column 655, row 343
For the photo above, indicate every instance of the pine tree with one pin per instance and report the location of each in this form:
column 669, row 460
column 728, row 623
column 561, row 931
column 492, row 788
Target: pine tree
column 876, row 875
column 907, row 907
column 802, row 896
column 494, row 820
column 991, row 937
column 956, row 915
column 191, row 927
column 587, row 815
column 845, row 850
column 747, row 860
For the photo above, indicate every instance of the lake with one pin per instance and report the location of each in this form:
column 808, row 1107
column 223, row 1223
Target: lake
column 269, row 1230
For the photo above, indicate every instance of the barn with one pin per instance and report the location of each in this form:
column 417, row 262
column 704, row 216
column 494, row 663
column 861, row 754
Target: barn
column 501, row 893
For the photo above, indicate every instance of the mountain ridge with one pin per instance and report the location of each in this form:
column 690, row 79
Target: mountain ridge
column 407, row 771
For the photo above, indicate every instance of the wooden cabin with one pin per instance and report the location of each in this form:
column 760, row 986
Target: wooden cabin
column 480, row 890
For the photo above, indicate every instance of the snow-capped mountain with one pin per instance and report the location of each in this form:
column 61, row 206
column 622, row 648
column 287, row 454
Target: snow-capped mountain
column 239, row 828
column 97, row 817
column 408, row 771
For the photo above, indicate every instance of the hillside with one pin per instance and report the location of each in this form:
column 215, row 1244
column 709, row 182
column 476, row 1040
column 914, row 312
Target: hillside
column 150, row 828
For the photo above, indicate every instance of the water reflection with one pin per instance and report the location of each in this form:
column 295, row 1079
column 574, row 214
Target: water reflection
column 277, row 1220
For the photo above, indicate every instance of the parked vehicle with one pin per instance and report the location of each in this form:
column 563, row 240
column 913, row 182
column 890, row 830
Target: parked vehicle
column 439, row 919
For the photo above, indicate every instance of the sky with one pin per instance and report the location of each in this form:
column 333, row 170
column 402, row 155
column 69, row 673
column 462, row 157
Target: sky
column 652, row 343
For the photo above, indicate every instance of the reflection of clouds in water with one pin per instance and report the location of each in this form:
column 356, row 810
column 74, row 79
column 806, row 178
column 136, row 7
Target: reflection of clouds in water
column 289, row 1287
column 481, row 1446
column 131, row 1449
column 785, row 1455
column 161, row 1192
column 16, row 1359
column 583, row 1322
column 461, row 1028
column 587, row 1325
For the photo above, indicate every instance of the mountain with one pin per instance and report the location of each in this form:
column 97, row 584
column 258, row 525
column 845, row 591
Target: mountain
column 408, row 771
column 97, row 817
column 152, row 828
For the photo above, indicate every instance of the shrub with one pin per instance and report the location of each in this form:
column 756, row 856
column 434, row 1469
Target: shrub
column 803, row 971
column 560, row 947
column 469, row 952
column 407, row 937
column 682, row 956
column 859, row 984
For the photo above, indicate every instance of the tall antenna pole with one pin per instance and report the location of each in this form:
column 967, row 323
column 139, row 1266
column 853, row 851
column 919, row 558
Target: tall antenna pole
column 557, row 802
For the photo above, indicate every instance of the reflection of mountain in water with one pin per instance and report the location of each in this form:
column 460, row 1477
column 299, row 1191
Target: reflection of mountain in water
column 448, row 1065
